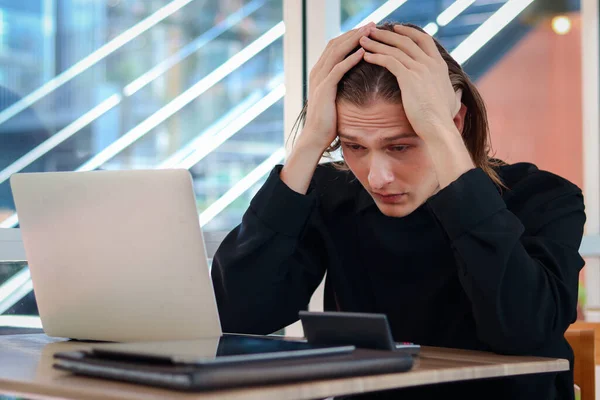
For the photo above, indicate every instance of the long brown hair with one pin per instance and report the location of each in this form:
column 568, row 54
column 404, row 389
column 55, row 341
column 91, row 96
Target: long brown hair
column 365, row 82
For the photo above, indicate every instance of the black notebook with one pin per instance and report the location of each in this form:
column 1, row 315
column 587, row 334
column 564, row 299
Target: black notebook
column 232, row 361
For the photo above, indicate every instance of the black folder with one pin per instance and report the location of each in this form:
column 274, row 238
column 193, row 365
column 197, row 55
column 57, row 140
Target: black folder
column 139, row 367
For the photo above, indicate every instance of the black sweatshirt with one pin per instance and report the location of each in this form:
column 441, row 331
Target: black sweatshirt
column 475, row 267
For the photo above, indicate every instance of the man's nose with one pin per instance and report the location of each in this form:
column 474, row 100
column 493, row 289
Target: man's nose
column 380, row 173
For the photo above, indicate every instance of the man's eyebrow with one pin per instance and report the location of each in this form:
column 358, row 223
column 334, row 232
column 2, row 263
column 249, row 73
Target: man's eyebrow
column 400, row 136
column 343, row 135
column 404, row 135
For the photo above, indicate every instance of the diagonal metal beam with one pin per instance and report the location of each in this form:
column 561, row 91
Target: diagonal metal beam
column 92, row 59
column 185, row 98
column 490, row 28
column 129, row 90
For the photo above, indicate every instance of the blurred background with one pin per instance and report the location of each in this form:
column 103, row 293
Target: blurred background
column 200, row 84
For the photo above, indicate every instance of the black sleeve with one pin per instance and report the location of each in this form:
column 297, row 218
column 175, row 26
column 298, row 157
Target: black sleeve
column 522, row 280
column 266, row 269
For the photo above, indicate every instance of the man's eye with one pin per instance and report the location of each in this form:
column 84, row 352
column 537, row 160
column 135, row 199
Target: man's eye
column 352, row 146
column 399, row 148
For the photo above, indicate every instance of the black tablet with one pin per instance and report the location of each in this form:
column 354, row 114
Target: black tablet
column 226, row 349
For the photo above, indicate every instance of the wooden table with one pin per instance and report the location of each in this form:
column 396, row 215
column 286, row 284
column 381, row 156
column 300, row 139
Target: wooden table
column 26, row 370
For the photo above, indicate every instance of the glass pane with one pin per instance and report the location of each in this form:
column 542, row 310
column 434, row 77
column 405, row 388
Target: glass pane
column 22, row 301
column 141, row 93
column 8, row 269
column 142, row 84
column 354, row 11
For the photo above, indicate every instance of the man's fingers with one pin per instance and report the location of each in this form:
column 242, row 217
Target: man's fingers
column 391, row 63
column 344, row 66
column 336, row 50
column 404, row 43
column 373, row 46
column 423, row 40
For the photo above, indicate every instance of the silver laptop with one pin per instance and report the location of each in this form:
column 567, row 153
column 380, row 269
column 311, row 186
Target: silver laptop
column 116, row 255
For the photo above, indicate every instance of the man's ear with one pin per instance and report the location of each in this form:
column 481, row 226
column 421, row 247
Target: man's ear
column 459, row 119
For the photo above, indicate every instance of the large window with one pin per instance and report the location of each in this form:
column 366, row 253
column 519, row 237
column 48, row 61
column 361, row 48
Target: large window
column 122, row 84
column 140, row 84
